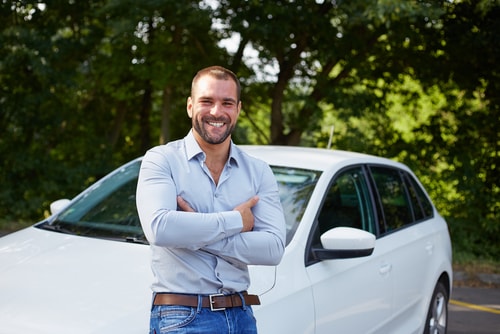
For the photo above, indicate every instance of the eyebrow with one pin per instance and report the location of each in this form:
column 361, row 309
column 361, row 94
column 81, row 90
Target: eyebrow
column 229, row 99
column 225, row 99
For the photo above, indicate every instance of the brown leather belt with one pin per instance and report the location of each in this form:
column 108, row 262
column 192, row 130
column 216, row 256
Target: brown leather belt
column 216, row 302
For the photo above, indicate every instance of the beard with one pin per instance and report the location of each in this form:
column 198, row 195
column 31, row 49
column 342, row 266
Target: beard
column 200, row 126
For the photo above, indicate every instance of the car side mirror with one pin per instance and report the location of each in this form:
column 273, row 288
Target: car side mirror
column 345, row 243
column 58, row 206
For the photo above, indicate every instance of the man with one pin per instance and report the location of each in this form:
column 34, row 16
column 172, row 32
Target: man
column 208, row 210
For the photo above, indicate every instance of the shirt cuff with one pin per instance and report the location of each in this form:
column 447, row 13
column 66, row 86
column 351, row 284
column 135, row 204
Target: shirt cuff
column 233, row 223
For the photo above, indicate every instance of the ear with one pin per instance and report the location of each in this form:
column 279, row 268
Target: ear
column 189, row 107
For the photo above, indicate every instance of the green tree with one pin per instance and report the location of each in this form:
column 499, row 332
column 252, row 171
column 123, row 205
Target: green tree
column 85, row 87
column 324, row 48
column 41, row 53
column 468, row 51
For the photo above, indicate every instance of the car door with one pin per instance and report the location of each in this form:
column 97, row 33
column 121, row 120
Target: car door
column 350, row 295
column 410, row 233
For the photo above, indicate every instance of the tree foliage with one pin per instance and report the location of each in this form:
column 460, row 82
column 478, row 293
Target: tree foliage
column 88, row 85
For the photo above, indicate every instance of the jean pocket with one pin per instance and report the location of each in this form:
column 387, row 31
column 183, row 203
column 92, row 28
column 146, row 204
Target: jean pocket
column 170, row 318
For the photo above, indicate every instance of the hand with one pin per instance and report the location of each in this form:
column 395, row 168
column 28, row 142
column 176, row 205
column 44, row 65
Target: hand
column 245, row 210
column 183, row 205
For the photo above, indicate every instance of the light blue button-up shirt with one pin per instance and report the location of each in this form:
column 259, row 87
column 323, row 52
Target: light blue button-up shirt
column 204, row 252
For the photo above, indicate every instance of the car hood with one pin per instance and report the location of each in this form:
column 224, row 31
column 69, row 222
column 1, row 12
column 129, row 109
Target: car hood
column 58, row 283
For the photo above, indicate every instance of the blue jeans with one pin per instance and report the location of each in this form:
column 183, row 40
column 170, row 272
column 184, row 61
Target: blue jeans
column 201, row 320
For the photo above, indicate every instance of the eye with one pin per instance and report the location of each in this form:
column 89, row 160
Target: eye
column 205, row 101
column 228, row 103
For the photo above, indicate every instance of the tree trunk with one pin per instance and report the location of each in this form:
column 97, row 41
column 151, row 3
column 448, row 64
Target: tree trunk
column 113, row 137
column 145, row 138
column 165, row 115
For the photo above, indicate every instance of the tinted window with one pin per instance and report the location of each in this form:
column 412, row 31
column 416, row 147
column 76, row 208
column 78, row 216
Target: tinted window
column 398, row 200
column 422, row 207
column 395, row 205
column 347, row 203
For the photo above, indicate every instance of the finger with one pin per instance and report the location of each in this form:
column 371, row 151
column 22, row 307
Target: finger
column 183, row 205
column 252, row 201
column 248, row 204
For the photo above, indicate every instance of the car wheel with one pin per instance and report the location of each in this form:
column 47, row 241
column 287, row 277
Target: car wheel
column 437, row 316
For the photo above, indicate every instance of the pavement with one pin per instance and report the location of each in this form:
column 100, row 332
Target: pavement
column 474, row 310
column 474, row 306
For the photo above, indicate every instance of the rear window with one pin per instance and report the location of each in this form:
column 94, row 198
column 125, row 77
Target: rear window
column 422, row 207
column 400, row 199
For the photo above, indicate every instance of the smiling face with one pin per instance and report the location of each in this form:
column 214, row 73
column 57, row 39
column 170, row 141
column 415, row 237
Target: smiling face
column 214, row 108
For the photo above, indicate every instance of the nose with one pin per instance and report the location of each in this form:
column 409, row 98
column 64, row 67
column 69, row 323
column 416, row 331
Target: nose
column 216, row 108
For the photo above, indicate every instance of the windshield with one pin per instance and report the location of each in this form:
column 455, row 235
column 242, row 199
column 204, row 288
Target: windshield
column 108, row 208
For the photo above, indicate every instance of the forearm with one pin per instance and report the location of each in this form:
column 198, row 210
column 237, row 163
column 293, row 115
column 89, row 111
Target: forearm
column 192, row 230
column 250, row 248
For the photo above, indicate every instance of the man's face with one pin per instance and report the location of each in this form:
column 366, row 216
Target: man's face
column 214, row 108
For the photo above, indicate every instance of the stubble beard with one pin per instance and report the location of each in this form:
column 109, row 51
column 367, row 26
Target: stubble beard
column 200, row 124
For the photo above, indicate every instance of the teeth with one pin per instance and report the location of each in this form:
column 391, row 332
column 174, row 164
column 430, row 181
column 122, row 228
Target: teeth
column 218, row 124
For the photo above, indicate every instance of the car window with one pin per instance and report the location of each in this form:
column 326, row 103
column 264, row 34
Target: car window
column 296, row 187
column 394, row 202
column 421, row 205
column 347, row 203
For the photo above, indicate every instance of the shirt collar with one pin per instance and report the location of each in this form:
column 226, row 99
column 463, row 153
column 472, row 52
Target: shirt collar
column 193, row 149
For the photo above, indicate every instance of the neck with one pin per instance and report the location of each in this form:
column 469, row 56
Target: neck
column 216, row 157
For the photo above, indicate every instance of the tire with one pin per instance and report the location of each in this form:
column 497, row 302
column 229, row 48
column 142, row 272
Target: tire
column 437, row 316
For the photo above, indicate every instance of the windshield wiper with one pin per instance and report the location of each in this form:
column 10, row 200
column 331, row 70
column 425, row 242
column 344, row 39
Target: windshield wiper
column 137, row 240
column 56, row 228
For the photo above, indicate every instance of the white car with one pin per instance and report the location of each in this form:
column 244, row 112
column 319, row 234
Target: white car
column 366, row 252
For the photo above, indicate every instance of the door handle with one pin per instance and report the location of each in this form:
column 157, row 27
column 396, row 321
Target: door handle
column 429, row 247
column 385, row 268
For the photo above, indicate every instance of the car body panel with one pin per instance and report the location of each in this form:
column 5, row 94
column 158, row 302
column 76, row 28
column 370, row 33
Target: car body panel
column 412, row 290
column 347, row 290
column 58, row 283
column 288, row 307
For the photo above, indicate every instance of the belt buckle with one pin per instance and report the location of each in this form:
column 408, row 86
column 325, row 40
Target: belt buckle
column 212, row 302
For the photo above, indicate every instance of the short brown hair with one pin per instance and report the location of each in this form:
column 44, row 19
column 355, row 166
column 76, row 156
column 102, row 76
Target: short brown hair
column 219, row 73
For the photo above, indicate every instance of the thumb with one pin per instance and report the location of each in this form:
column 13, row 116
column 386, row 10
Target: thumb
column 252, row 201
